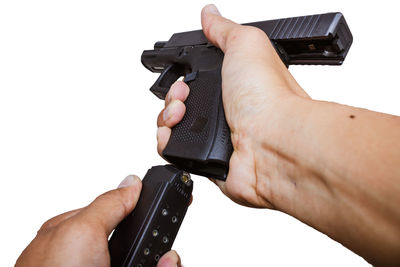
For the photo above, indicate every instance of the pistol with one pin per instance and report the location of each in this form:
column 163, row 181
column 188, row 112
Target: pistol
column 200, row 143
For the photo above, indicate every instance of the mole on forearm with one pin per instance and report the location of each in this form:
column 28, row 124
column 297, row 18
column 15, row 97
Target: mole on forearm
column 352, row 116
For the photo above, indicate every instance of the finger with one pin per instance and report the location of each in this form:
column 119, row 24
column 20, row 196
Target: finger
column 110, row 208
column 57, row 220
column 163, row 134
column 229, row 35
column 172, row 114
column 215, row 27
column 179, row 90
column 191, row 200
column 170, row 259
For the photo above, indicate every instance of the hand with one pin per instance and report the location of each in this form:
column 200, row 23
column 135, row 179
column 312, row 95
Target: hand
column 318, row 161
column 255, row 84
column 80, row 237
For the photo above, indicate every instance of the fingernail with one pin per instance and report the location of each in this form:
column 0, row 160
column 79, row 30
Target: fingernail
column 165, row 114
column 211, row 8
column 169, row 110
column 129, row 181
column 169, row 97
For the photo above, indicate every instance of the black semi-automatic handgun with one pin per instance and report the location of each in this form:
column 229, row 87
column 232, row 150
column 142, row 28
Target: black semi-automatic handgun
column 200, row 143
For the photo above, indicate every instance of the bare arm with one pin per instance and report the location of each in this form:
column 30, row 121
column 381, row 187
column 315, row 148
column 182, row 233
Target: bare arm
column 337, row 168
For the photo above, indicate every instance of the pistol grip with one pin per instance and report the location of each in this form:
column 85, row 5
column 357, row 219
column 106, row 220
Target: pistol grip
column 201, row 143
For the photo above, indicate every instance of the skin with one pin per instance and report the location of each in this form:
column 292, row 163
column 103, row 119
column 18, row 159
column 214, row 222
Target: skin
column 331, row 166
column 80, row 237
column 334, row 167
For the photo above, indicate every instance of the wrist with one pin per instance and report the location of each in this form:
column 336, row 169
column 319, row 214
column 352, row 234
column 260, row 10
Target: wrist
column 285, row 176
column 276, row 165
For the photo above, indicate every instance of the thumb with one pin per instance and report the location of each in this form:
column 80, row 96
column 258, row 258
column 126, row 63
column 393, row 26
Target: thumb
column 110, row 208
column 216, row 28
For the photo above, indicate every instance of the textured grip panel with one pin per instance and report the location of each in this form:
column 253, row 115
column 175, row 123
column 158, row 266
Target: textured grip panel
column 200, row 143
column 201, row 103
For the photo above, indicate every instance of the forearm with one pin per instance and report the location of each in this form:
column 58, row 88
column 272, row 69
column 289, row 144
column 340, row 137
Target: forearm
column 335, row 168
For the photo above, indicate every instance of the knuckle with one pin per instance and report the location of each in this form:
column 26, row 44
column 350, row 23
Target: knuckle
column 236, row 33
column 207, row 26
column 102, row 197
column 106, row 199
column 47, row 225
column 75, row 229
column 248, row 33
column 254, row 32
column 112, row 197
column 116, row 198
column 112, row 200
column 211, row 28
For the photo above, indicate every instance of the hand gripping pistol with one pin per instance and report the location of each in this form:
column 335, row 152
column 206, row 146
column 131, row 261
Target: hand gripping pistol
column 200, row 143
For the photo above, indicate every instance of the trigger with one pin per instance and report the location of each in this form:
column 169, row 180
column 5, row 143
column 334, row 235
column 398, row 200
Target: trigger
column 190, row 77
column 170, row 74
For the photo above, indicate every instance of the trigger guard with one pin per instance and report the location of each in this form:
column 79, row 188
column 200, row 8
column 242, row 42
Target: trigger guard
column 170, row 74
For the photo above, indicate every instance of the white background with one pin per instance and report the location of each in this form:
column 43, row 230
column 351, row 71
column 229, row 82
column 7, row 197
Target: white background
column 76, row 117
